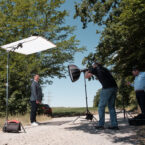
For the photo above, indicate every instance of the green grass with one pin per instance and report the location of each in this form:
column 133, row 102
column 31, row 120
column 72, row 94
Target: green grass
column 62, row 111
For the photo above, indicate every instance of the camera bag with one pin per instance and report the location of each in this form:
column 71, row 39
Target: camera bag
column 13, row 126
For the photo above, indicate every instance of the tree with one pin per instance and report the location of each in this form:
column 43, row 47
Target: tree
column 21, row 19
column 96, row 98
column 122, row 42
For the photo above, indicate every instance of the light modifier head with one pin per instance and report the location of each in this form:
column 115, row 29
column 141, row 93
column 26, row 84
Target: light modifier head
column 74, row 72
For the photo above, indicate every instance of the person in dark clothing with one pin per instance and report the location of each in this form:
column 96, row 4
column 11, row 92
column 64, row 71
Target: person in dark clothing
column 35, row 99
column 107, row 96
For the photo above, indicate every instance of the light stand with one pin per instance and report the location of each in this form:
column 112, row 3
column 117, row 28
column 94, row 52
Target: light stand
column 74, row 73
column 7, row 84
column 124, row 110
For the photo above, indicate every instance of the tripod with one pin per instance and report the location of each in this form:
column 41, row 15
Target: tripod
column 89, row 116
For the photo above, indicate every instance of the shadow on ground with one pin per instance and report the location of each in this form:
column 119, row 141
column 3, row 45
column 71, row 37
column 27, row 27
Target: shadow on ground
column 115, row 135
column 55, row 123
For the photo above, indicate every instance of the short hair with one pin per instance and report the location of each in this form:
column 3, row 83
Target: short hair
column 135, row 68
column 36, row 75
column 97, row 63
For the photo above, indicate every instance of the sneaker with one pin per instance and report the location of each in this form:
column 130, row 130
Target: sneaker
column 34, row 124
column 99, row 127
column 113, row 127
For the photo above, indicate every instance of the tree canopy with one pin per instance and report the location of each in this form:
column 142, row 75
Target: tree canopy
column 122, row 42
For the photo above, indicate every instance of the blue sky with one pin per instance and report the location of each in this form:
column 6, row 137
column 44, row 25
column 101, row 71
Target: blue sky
column 64, row 93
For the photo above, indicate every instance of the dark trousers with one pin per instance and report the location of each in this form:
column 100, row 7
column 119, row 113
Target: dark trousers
column 140, row 96
column 33, row 111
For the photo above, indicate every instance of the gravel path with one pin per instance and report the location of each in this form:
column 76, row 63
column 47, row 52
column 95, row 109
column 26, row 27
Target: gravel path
column 62, row 131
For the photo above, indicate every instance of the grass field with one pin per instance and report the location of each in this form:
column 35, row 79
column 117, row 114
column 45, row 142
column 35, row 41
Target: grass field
column 61, row 111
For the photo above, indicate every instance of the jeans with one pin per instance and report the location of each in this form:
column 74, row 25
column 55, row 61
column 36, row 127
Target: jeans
column 107, row 96
column 33, row 111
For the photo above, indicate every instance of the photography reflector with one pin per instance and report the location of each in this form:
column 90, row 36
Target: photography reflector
column 30, row 45
column 74, row 72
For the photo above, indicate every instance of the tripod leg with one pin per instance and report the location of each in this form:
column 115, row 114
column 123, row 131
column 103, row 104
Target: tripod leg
column 95, row 119
column 76, row 119
column 124, row 112
column 23, row 128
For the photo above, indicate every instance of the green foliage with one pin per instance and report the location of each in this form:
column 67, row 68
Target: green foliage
column 95, row 11
column 20, row 19
column 122, row 42
column 96, row 98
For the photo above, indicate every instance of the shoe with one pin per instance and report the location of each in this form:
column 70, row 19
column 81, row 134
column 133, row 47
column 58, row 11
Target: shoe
column 99, row 127
column 113, row 127
column 34, row 124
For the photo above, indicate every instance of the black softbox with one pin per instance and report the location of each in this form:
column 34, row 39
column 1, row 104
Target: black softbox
column 74, row 72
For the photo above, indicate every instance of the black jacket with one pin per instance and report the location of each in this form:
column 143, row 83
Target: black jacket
column 104, row 76
column 36, row 92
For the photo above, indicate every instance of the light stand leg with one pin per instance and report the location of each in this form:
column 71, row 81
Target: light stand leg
column 124, row 111
column 23, row 128
column 76, row 119
column 7, row 85
column 86, row 94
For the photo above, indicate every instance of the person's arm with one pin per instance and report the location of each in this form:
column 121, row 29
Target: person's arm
column 88, row 75
column 38, row 102
column 130, row 84
column 34, row 90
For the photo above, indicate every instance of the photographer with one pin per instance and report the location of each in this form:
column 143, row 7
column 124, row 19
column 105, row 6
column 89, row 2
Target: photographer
column 107, row 96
